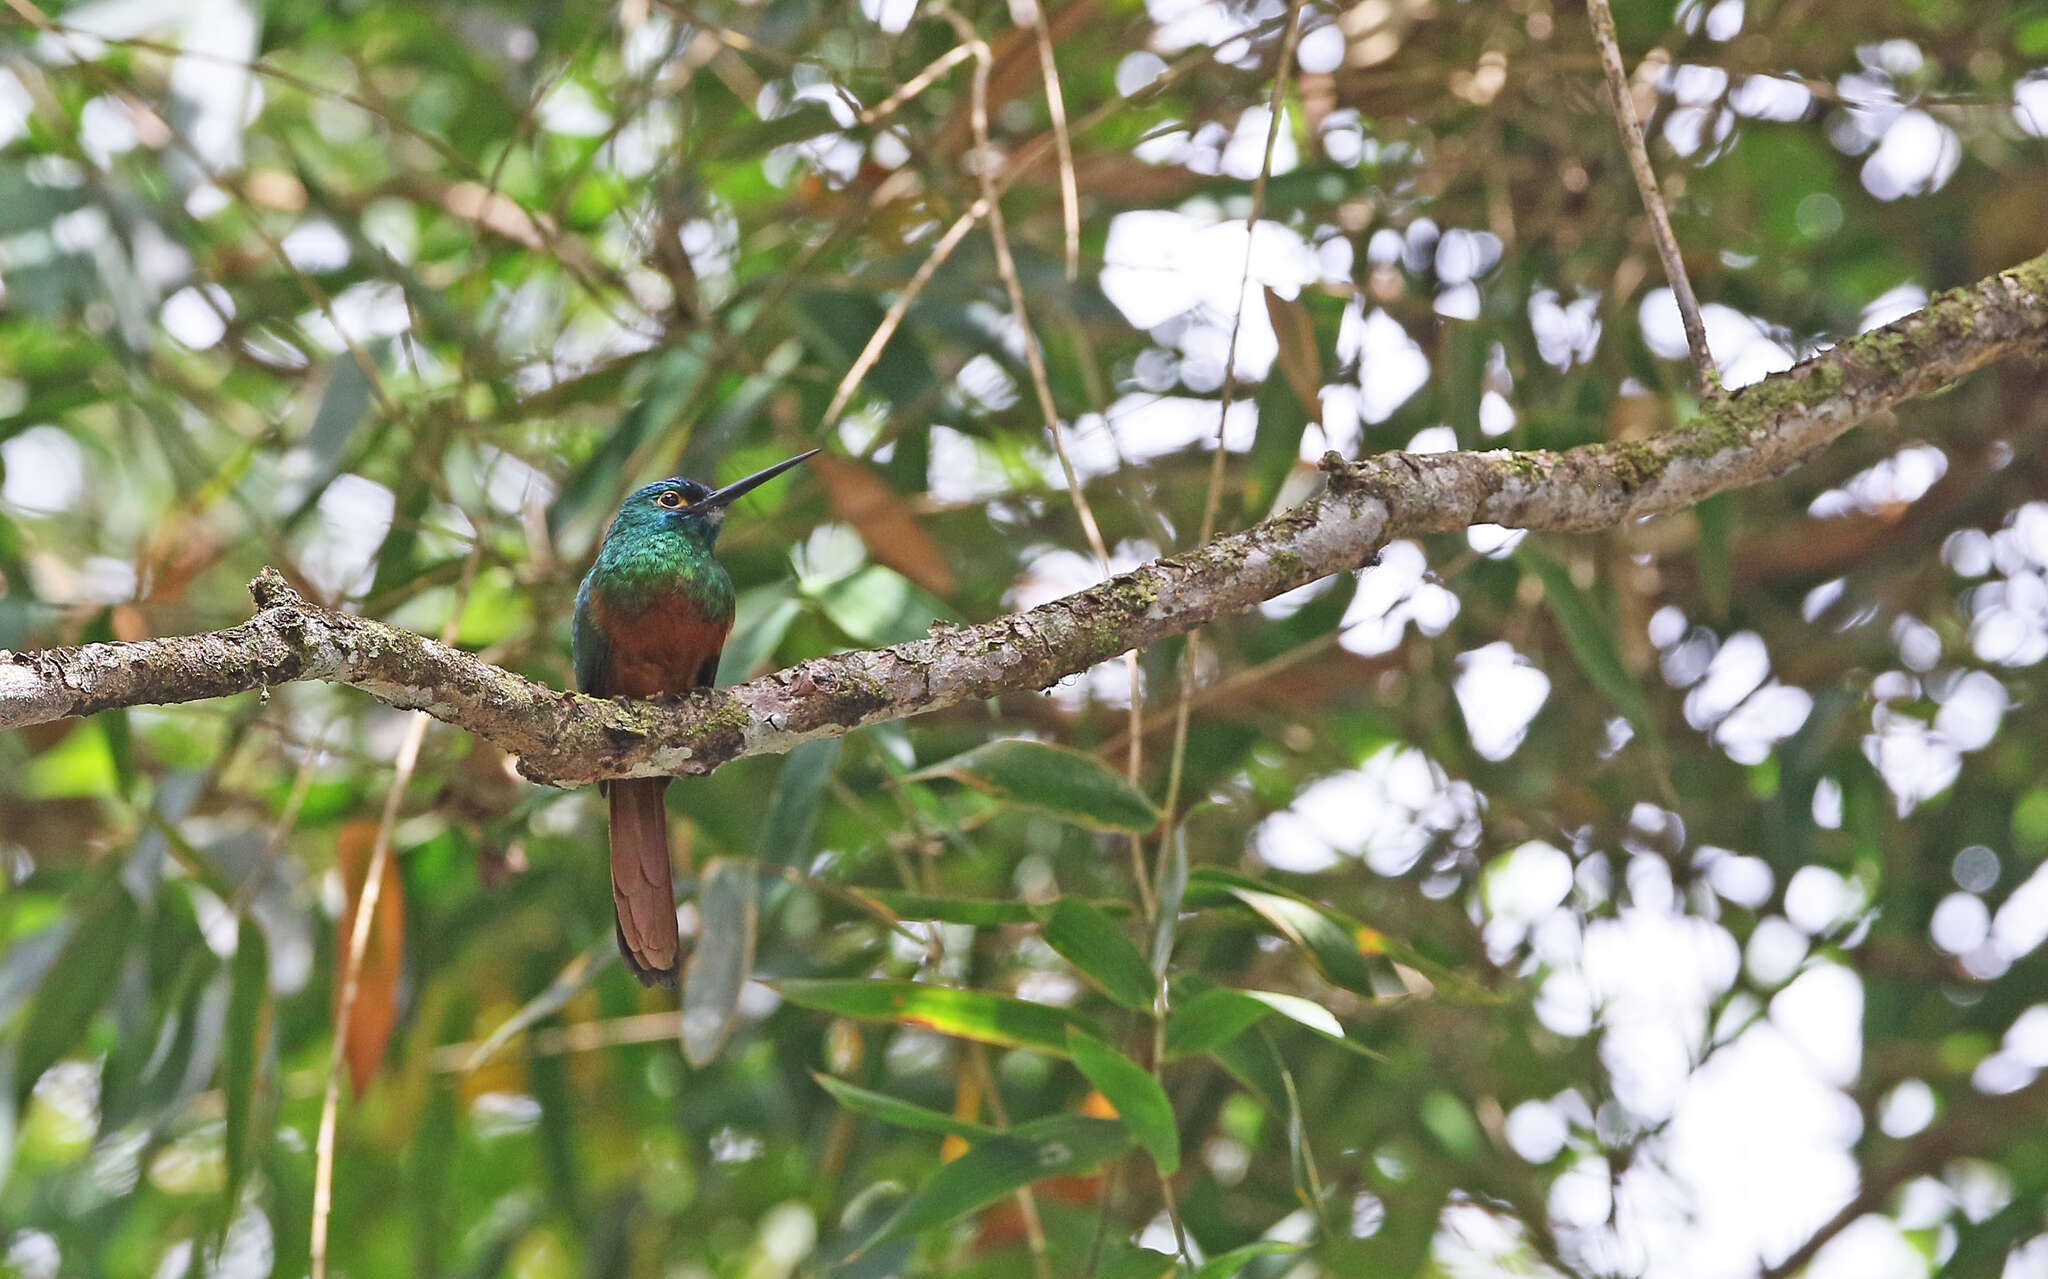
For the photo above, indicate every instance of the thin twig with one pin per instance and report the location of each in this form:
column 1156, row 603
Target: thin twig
column 1056, row 107
column 1023, row 162
column 893, row 318
column 371, row 373
column 359, row 941
column 577, row 1037
column 1631, row 129
column 1034, row 359
column 1027, row 1202
column 1213, row 499
column 916, row 84
column 1013, row 285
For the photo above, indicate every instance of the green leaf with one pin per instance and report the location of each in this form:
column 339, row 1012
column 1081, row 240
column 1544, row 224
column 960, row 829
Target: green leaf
column 1718, row 519
column 248, row 1027
column 878, row 605
column 77, row 984
column 1002, row 1164
column 343, row 405
column 765, row 614
column 2030, row 40
column 120, row 747
column 1210, row 1019
column 9, row 1120
column 903, row 1114
column 1305, row 1012
column 80, row 766
column 1227, row 1265
column 397, row 560
column 1141, row 1264
column 1067, row 784
column 1346, row 952
column 1093, row 944
column 794, row 801
column 1335, row 942
column 801, row 122
column 727, row 912
column 979, row 911
column 1338, row 953
column 964, row 1014
column 842, row 1254
column 1172, row 892
column 1590, row 638
column 1450, row 1122
column 1141, row 1104
column 1301, row 1155
column 836, row 324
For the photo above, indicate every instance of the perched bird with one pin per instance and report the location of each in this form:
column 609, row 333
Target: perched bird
column 651, row 617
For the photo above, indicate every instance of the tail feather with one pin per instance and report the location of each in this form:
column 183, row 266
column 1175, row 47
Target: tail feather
column 643, row 891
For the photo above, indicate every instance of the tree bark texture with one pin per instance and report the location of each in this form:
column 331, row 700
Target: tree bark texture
column 561, row 738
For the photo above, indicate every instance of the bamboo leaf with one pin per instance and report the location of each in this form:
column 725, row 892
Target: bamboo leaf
column 1141, row 1264
column 764, row 617
column 1094, row 945
column 963, row 1014
column 1173, row 890
column 902, row 1114
column 1003, row 1164
column 1591, row 641
column 1065, row 783
column 375, row 1010
column 1347, row 953
column 248, row 1027
column 76, row 986
column 878, row 605
column 1227, row 1265
column 1209, row 1019
column 728, row 911
column 794, row 801
column 1140, row 1102
column 1336, row 943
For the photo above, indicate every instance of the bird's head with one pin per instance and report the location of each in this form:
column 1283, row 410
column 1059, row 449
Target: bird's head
column 683, row 505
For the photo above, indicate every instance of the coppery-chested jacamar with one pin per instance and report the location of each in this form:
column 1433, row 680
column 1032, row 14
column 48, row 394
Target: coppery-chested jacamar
column 651, row 617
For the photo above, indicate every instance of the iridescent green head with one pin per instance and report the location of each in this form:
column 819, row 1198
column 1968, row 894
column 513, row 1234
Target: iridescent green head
column 682, row 505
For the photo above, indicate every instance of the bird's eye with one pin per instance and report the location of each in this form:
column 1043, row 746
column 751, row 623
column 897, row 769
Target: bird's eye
column 671, row 500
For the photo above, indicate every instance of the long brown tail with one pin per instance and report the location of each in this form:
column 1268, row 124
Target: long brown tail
column 643, row 892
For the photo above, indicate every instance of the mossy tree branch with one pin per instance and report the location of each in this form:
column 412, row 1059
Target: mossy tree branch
column 565, row 738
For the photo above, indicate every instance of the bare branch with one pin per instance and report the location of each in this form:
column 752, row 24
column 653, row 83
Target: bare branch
column 1754, row 435
column 1631, row 128
column 1056, row 107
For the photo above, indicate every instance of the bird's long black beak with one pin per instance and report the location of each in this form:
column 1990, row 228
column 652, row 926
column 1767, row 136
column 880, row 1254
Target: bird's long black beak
column 739, row 488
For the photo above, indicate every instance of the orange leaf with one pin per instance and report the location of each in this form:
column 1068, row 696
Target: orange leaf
column 376, row 1005
column 892, row 534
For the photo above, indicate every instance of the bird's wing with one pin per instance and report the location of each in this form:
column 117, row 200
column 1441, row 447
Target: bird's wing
column 707, row 670
column 590, row 647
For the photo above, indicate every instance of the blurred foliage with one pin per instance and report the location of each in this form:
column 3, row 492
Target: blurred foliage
column 402, row 298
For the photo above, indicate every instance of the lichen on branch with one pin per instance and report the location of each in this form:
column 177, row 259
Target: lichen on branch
column 1751, row 436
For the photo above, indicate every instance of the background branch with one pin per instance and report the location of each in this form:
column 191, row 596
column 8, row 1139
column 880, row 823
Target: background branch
column 565, row 738
column 1631, row 127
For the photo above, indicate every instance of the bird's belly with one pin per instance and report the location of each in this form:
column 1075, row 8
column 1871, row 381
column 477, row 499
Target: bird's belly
column 662, row 649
